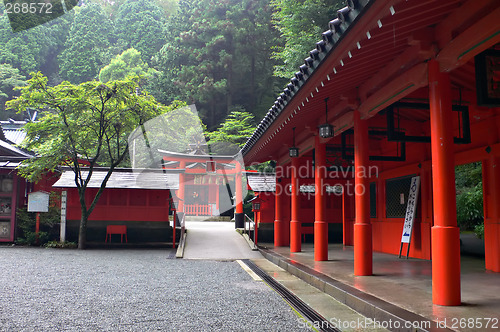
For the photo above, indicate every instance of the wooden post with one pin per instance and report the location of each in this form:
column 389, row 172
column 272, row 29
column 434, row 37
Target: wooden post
column 239, row 217
column 173, row 230
column 491, row 197
column 295, row 225
column 62, row 231
column 182, row 187
column 320, row 223
column 278, row 216
column 363, row 251
column 445, row 233
column 37, row 227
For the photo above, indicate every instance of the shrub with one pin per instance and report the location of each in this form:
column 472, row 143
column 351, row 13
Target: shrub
column 49, row 225
column 57, row 244
column 479, row 230
column 470, row 207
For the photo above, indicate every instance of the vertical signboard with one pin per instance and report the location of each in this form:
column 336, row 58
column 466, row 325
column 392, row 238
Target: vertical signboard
column 62, row 231
column 411, row 210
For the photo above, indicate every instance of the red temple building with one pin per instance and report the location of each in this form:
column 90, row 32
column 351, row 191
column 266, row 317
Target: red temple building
column 404, row 88
column 12, row 186
column 137, row 199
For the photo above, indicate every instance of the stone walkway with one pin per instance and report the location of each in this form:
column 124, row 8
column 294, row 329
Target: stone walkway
column 216, row 241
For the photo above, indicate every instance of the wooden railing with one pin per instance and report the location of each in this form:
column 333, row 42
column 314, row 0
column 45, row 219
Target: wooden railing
column 198, row 209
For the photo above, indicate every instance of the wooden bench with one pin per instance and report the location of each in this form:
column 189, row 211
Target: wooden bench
column 116, row 229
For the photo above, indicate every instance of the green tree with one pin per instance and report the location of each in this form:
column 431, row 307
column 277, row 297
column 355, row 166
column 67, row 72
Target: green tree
column 139, row 24
column 469, row 191
column 89, row 45
column 169, row 6
column 300, row 24
column 175, row 131
column 9, row 79
column 233, row 132
column 90, row 121
column 126, row 64
column 217, row 56
column 35, row 49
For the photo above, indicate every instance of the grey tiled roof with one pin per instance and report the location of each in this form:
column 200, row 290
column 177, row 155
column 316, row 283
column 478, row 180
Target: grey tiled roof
column 338, row 28
column 259, row 182
column 123, row 180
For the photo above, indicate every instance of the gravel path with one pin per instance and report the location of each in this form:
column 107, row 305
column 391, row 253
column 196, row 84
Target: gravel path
column 132, row 290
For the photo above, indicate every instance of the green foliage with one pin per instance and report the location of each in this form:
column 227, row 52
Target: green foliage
column 467, row 176
column 49, row 225
column 35, row 49
column 173, row 131
column 90, row 121
column 300, row 24
column 9, row 79
column 89, row 45
column 169, row 6
column 57, row 244
column 469, row 187
column 139, row 24
column 209, row 53
column 479, row 230
column 129, row 63
column 217, row 55
column 268, row 167
column 235, row 130
column 470, row 207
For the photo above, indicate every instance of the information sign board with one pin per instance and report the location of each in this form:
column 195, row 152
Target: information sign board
column 38, row 201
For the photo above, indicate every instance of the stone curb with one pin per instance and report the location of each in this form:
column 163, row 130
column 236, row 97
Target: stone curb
column 180, row 247
column 363, row 303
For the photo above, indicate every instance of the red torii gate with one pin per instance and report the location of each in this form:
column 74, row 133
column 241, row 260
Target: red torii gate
column 204, row 164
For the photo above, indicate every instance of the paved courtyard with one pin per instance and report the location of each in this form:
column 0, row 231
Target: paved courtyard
column 132, row 290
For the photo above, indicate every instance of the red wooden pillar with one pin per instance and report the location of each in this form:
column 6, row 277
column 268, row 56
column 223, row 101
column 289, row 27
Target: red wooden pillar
column 363, row 252
column 256, row 228
column 37, row 226
column 346, row 226
column 491, row 193
column 295, row 225
column 217, row 199
column 278, row 215
column 14, row 205
column 239, row 218
column 320, row 223
column 445, row 233
column 182, row 185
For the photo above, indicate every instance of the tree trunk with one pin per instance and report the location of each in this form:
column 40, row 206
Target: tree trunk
column 252, row 84
column 82, row 234
column 229, row 96
column 212, row 112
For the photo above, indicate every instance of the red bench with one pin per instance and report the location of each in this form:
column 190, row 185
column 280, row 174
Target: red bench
column 116, row 229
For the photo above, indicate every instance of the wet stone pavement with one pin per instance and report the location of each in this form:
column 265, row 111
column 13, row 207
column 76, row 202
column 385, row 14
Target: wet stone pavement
column 132, row 290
